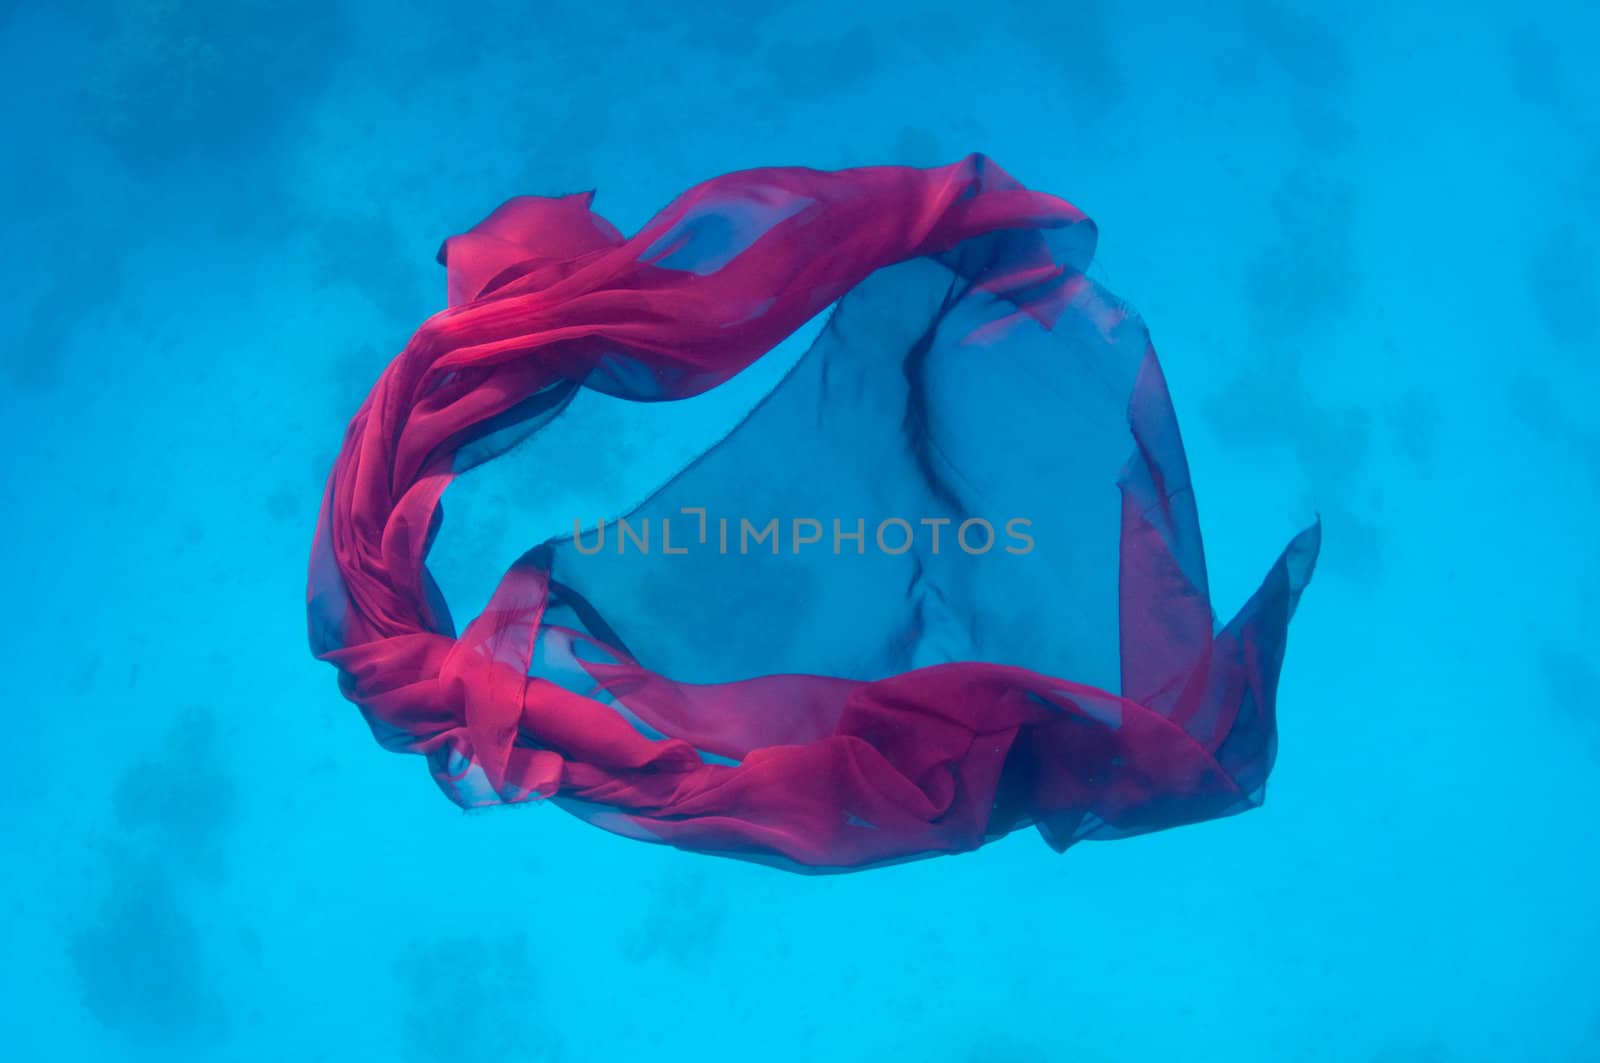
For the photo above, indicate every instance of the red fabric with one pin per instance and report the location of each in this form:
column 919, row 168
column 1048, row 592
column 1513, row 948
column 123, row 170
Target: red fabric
column 544, row 296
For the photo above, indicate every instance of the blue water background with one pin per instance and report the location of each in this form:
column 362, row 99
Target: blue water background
column 1365, row 239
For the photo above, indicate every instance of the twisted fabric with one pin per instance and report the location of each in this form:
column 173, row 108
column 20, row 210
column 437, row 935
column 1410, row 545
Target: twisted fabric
column 810, row 736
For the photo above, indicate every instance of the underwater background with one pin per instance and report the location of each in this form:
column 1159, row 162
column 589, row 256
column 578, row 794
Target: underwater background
column 1367, row 242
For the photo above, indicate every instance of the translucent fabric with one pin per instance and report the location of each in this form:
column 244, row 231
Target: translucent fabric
column 943, row 582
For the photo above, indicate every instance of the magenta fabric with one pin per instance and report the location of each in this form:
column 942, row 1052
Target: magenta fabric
column 837, row 709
